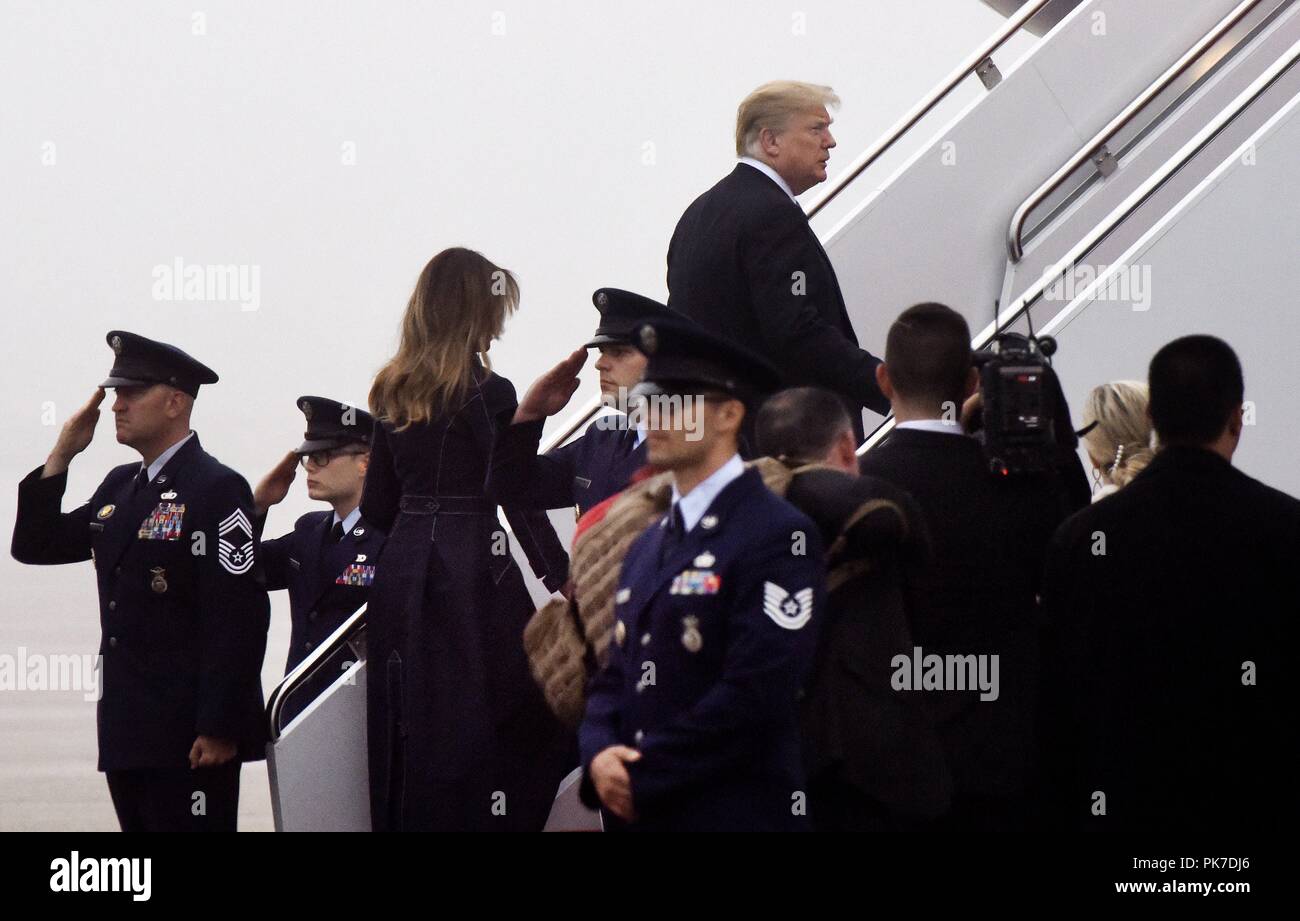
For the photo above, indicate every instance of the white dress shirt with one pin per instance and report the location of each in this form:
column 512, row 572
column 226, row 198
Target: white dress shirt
column 933, row 425
column 164, row 457
column 349, row 522
column 696, row 502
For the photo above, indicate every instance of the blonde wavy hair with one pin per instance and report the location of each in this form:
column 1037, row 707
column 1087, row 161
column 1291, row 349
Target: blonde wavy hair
column 460, row 304
column 1121, row 444
column 772, row 105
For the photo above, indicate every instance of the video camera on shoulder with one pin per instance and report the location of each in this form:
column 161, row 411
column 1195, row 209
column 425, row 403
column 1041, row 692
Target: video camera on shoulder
column 1019, row 400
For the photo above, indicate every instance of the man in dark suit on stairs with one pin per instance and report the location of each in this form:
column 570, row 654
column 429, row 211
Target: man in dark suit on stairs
column 744, row 263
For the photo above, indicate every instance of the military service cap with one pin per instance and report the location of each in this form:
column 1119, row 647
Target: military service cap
column 620, row 312
column 333, row 424
column 683, row 358
column 141, row 362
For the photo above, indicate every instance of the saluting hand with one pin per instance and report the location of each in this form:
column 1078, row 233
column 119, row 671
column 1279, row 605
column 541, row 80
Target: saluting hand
column 551, row 392
column 75, row 436
column 613, row 784
column 275, row 485
column 210, row 752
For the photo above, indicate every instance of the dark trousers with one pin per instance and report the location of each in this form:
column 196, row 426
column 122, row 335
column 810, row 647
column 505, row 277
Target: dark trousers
column 176, row 799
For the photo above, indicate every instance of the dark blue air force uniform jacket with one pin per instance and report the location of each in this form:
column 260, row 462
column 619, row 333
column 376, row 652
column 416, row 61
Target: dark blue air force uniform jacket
column 582, row 473
column 327, row 581
column 710, row 650
column 181, row 603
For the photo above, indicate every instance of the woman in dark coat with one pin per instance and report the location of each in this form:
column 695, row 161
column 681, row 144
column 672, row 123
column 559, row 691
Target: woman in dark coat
column 460, row 737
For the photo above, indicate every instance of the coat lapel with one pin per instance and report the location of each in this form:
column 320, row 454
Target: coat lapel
column 134, row 509
column 623, row 465
column 316, row 556
column 121, row 527
column 635, row 460
column 696, row 540
column 840, row 310
column 645, row 570
column 335, row 558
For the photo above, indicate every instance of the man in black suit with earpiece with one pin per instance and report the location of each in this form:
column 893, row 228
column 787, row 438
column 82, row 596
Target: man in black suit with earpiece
column 989, row 536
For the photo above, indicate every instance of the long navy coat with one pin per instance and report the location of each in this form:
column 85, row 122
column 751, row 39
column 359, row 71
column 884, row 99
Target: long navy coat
column 460, row 736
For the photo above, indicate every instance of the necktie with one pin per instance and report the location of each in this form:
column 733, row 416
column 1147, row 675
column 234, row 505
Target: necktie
column 141, row 479
column 674, row 531
column 336, row 532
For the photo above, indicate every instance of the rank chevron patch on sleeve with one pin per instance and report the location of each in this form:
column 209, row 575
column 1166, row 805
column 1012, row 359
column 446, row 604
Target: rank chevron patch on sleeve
column 788, row 612
column 235, row 543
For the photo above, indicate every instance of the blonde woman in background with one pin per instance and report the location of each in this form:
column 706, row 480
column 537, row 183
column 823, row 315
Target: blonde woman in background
column 1117, row 434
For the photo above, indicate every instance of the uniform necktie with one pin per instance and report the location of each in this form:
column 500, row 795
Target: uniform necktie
column 625, row 440
column 141, row 479
column 674, row 531
column 336, row 532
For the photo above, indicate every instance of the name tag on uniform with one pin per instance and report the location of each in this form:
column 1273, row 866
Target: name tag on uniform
column 163, row 523
column 359, row 574
column 696, row 582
